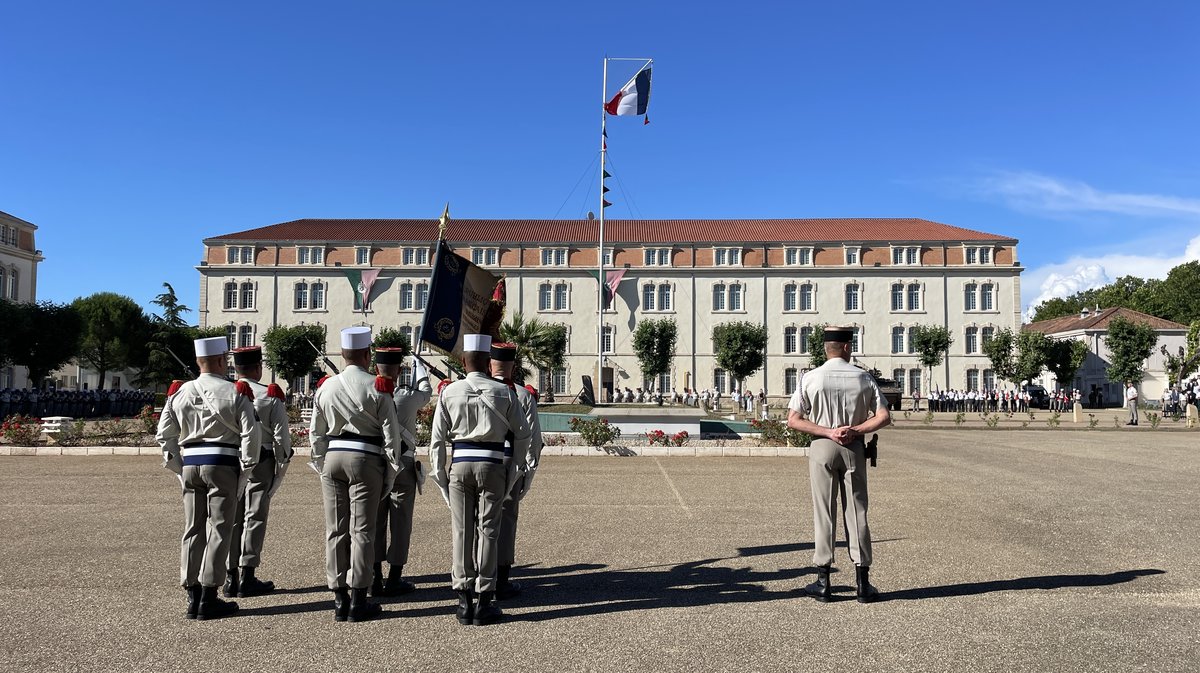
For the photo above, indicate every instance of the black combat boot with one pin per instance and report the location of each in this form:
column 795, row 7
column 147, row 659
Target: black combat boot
column 505, row 588
column 212, row 607
column 377, row 582
column 362, row 609
column 866, row 592
column 466, row 610
column 252, row 586
column 820, row 589
column 193, row 598
column 486, row 611
column 232, row 583
column 396, row 586
column 341, row 605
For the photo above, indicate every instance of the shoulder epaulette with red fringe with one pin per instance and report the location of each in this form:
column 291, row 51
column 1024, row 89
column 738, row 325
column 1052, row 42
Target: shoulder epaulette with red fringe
column 442, row 384
column 322, row 381
column 175, row 386
column 244, row 388
column 533, row 391
column 275, row 391
column 385, row 385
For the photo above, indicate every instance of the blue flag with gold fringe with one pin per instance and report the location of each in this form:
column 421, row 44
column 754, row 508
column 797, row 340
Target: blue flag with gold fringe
column 463, row 299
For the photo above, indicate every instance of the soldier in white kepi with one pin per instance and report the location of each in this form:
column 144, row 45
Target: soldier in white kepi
column 838, row 403
column 210, row 439
column 473, row 417
column 504, row 356
column 356, row 450
column 396, row 508
column 250, row 523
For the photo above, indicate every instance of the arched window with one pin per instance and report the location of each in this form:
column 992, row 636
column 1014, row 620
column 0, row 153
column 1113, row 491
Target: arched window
column 789, row 339
column 664, row 297
column 914, row 296
column 318, row 296
column 545, row 291
column 718, row 297
column 897, row 340
column 12, row 285
column 649, row 293
column 301, row 296
column 969, row 296
column 806, row 296
column 897, row 297
column 971, row 346
column 231, row 295
column 245, row 336
column 986, row 297
column 560, row 296
column 735, row 297
column 406, row 296
column 806, row 333
column 789, row 380
column 789, row 297
column 247, row 295
column 3, row 283
column 853, row 295
column 422, row 296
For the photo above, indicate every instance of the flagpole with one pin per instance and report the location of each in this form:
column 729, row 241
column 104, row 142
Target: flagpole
column 602, row 285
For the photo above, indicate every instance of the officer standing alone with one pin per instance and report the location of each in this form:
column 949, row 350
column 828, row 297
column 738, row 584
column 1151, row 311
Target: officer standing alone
column 473, row 417
column 396, row 507
column 504, row 356
column 210, row 439
column 355, row 448
column 250, row 522
column 837, row 403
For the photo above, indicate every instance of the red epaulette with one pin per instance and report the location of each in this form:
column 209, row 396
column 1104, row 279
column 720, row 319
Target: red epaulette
column 385, row 385
column 533, row 391
column 275, row 391
column 174, row 388
column 442, row 384
column 244, row 388
column 322, row 381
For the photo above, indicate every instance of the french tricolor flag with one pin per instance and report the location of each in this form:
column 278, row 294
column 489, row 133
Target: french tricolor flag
column 633, row 98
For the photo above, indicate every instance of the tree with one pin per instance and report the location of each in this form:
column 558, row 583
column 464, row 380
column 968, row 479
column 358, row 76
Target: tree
column 654, row 344
column 115, row 333
column 15, row 327
column 169, row 334
column 1001, row 352
column 390, row 337
column 46, row 335
column 740, row 348
column 816, row 347
column 1179, row 294
column 1030, row 356
column 1184, row 363
column 931, row 342
column 1129, row 344
column 1064, row 357
column 289, row 352
column 543, row 345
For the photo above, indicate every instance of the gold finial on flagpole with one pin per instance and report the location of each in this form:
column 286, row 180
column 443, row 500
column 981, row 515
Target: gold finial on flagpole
column 443, row 222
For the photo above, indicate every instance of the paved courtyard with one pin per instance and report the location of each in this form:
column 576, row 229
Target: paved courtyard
column 997, row 551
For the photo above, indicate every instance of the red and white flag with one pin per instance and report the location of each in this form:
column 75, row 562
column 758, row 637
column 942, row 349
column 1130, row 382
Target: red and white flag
column 633, row 98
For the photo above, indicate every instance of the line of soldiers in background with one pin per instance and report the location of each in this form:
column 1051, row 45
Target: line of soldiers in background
column 73, row 403
column 980, row 401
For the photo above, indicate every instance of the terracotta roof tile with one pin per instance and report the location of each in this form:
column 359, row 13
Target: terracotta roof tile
column 1099, row 320
column 618, row 231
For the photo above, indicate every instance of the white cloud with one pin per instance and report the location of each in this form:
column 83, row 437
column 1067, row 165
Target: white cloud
column 1082, row 273
column 1034, row 192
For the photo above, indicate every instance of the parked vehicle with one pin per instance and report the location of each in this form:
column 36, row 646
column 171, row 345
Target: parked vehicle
column 1038, row 397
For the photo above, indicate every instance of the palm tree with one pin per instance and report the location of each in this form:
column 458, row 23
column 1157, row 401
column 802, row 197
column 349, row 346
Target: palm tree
column 539, row 344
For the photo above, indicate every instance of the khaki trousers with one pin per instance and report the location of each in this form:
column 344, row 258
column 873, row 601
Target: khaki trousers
column 250, row 521
column 510, row 511
column 833, row 468
column 209, row 504
column 476, row 491
column 351, row 485
column 1132, row 406
column 396, row 517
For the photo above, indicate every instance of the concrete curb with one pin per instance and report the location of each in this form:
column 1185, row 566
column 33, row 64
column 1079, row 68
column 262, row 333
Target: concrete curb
column 618, row 451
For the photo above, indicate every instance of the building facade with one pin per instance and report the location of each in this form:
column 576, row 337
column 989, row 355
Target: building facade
column 1091, row 327
column 19, row 258
column 882, row 276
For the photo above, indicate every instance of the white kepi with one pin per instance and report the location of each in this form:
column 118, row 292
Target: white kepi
column 477, row 343
column 356, row 338
column 211, row 346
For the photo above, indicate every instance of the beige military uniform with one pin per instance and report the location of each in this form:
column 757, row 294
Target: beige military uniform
column 396, row 509
column 209, row 436
column 250, row 522
column 472, row 418
column 834, row 395
column 356, row 448
column 525, row 473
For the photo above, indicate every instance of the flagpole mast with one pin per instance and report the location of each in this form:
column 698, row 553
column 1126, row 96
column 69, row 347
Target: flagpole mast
column 602, row 285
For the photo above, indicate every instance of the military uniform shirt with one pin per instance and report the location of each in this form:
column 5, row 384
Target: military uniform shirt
column 349, row 403
column 408, row 403
column 461, row 416
column 529, row 408
column 272, row 415
column 207, row 410
column 836, row 394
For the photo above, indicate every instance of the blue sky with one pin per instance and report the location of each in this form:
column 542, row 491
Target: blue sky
column 129, row 131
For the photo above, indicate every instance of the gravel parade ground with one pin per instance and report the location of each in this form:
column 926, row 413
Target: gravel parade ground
column 1000, row 550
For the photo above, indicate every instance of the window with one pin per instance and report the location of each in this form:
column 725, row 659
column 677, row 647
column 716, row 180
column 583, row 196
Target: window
column 969, row 298
column 231, row 296
column 910, row 256
column 914, row 296
column 608, row 256
column 718, row 292
column 545, row 296
column 986, row 301
column 317, row 299
column 989, row 379
column 554, row 256
column 898, row 376
column 856, row 340
column 897, row 340
column 972, row 255
column 914, row 380
column 413, row 334
column 310, row 255
column 12, row 284
column 664, row 382
column 789, row 297
column 415, row 256
column 798, row 256
column 806, row 296
column 553, row 379
column 719, row 379
column 246, row 295
column 245, row 336
column 553, row 297
column 649, row 292
column 853, row 290
column 413, row 296
column 728, row 257
column 987, row 334
column 656, row 257
column 912, row 340
column 789, row 380
column 735, row 297
column 301, row 296
column 852, row 256
column 979, row 255
column 422, row 296
column 3, row 286
column 239, row 254
column 606, row 339
column 362, row 256
column 664, row 297
column 231, row 334
column 805, row 338
column 897, row 297
column 789, row 339
column 972, row 379
column 407, row 332
column 407, row 296
column 4, row 240
column 985, row 255
column 971, row 346
column 484, row 256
